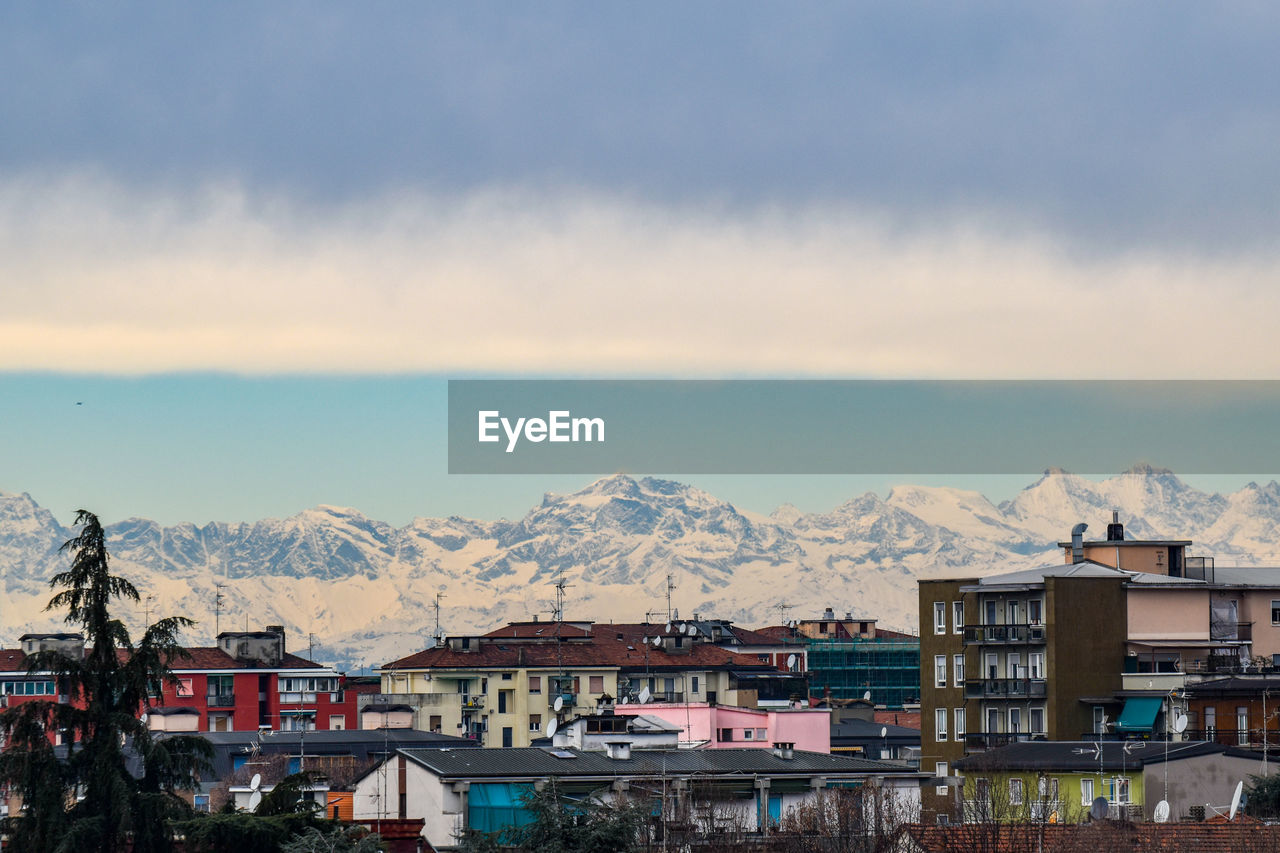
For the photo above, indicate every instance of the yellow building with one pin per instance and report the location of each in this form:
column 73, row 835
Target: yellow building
column 503, row 688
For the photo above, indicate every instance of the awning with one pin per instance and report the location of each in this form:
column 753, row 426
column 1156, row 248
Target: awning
column 1139, row 714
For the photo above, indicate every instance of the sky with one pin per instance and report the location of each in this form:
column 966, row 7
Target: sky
column 207, row 210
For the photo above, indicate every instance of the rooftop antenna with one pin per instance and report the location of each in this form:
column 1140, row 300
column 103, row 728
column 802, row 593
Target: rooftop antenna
column 671, row 584
column 561, row 585
column 437, row 635
column 217, row 609
column 311, row 647
column 146, row 610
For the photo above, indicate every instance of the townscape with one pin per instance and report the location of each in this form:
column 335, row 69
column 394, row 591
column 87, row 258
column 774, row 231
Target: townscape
column 1127, row 688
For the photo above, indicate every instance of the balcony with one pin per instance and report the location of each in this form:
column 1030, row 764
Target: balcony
column 1238, row 632
column 978, row 741
column 221, row 700
column 568, row 699
column 1000, row 688
column 669, row 696
column 472, row 702
column 1003, row 634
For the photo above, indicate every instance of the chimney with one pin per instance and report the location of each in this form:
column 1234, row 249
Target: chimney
column 785, row 750
column 619, row 750
column 1077, row 542
column 1115, row 530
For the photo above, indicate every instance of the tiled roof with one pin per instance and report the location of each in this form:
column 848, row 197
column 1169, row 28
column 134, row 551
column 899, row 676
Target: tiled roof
column 781, row 633
column 534, row 762
column 615, row 645
column 542, row 630
column 1201, row 837
column 1082, row 755
column 12, row 660
column 212, row 657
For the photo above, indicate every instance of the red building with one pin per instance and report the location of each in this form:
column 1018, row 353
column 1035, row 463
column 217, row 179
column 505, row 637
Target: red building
column 248, row 682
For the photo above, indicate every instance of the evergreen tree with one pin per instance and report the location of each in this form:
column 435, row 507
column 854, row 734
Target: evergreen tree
column 91, row 800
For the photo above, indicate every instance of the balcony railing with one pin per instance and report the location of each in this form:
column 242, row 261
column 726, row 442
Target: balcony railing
column 977, row 741
column 1004, row 634
column 1234, row 737
column 668, row 696
column 221, row 700
column 1231, row 631
column 997, row 688
column 472, row 702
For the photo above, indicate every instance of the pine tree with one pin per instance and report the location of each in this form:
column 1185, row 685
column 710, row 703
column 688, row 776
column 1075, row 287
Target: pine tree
column 91, row 800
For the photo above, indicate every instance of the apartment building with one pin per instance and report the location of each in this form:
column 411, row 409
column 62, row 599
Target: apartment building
column 503, row 688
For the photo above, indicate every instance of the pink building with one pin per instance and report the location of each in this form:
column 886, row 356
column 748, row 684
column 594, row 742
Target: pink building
column 727, row 727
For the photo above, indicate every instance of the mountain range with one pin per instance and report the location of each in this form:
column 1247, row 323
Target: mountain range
column 365, row 591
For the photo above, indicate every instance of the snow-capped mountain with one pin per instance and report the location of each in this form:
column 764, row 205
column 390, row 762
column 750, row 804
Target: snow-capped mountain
column 367, row 590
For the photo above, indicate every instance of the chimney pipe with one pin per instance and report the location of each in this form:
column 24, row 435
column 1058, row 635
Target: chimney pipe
column 784, row 750
column 1077, row 542
column 1115, row 530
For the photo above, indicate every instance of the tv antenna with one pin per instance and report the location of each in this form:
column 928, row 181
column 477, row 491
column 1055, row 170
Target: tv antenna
column 438, row 635
column 561, row 585
column 217, row 608
column 671, row 585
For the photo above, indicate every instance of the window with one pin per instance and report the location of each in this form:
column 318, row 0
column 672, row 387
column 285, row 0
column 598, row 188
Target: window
column 1037, row 721
column 1015, row 792
column 337, row 722
column 1035, row 611
column 1015, row 720
column 535, row 684
column 1013, row 668
column 940, row 723
column 1242, row 725
column 724, row 735
column 1210, row 720
column 939, row 617
column 535, row 722
column 28, row 688
column 940, row 670
column 1099, row 720
column 184, row 690
column 506, row 676
column 940, row 770
column 1037, row 664
column 1119, row 792
column 957, row 617
column 958, row 666
column 993, row 666
column 1011, row 613
column 761, row 734
column 991, row 612
column 596, row 685
column 959, row 715
column 748, row 734
column 1275, row 611
column 1086, row 792
column 694, row 685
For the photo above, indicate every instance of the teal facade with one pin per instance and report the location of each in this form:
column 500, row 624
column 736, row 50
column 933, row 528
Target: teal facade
column 889, row 668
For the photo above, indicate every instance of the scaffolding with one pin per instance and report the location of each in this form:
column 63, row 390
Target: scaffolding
column 889, row 668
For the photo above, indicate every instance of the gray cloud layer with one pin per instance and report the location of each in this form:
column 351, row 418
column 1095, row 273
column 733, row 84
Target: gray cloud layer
column 1109, row 125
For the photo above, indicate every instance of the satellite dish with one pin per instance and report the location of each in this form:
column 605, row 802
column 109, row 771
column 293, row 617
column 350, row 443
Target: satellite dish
column 645, row 696
column 668, row 628
column 551, row 728
column 884, row 731
column 558, row 704
column 866, row 697
column 1180, row 723
column 1162, row 812
column 657, row 641
column 623, row 700
column 256, row 781
column 1235, row 800
column 143, row 719
column 791, row 661
column 255, row 800
column 1098, row 811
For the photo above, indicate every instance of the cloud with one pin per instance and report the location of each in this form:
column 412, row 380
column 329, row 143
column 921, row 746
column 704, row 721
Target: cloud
column 104, row 277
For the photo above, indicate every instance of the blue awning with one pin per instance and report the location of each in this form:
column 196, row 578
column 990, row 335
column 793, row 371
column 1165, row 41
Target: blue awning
column 1139, row 714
